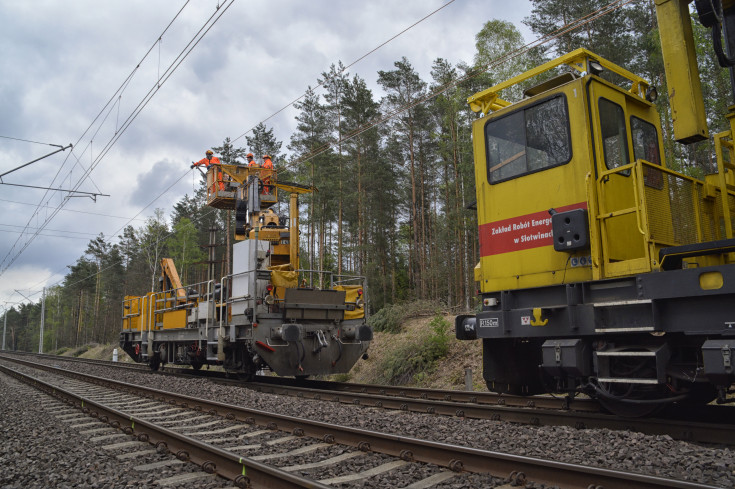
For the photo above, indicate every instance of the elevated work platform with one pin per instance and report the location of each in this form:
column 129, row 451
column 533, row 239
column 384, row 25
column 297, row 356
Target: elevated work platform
column 223, row 181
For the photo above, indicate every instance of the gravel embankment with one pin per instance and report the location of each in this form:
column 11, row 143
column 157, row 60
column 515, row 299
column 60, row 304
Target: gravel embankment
column 634, row 452
column 37, row 451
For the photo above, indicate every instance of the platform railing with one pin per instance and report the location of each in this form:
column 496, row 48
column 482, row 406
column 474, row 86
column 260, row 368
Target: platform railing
column 670, row 208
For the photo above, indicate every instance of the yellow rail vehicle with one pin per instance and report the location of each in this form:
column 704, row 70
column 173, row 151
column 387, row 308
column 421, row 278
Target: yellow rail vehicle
column 268, row 314
column 602, row 270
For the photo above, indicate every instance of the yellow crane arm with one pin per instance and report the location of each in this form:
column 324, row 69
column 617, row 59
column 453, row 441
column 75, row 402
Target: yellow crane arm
column 168, row 270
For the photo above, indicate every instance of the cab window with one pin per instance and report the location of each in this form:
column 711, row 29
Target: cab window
column 529, row 140
column 645, row 147
column 645, row 141
column 614, row 135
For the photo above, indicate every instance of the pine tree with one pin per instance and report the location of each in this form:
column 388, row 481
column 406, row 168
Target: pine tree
column 335, row 83
column 362, row 150
column 310, row 145
column 264, row 142
column 229, row 155
column 609, row 35
column 404, row 88
column 152, row 238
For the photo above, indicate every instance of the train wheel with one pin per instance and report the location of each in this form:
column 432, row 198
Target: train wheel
column 628, row 409
column 632, row 400
column 155, row 362
column 196, row 365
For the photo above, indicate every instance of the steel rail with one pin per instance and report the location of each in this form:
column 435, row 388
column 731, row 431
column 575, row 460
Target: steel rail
column 718, row 433
column 482, row 398
column 242, row 470
column 537, row 410
column 515, row 467
column 474, row 397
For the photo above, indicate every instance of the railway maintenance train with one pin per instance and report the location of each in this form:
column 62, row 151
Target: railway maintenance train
column 603, row 271
column 268, row 314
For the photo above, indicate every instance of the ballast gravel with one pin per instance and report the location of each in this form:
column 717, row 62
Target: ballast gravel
column 634, row 452
column 39, row 451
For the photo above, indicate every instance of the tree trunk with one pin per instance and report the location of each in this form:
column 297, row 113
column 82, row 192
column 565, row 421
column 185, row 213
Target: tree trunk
column 360, row 217
column 339, row 217
column 413, row 274
column 95, row 323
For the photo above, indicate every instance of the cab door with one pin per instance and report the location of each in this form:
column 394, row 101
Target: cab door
column 622, row 240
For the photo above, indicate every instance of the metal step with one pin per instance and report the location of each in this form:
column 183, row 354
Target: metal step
column 626, row 353
column 656, row 357
column 627, row 381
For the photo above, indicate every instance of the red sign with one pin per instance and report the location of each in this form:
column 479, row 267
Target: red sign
column 520, row 233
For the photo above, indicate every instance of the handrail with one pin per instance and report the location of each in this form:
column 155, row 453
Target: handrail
column 721, row 171
column 639, row 200
column 488, row 99
column 679, row 183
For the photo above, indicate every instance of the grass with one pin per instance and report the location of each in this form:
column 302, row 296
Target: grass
column 81, row 350
column 414, row 361
column 390, row 318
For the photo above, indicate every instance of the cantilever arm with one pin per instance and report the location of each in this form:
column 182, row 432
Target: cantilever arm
column 64, row 148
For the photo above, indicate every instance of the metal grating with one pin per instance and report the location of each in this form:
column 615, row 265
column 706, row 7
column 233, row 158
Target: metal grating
column 679, row 212
column 671, row 210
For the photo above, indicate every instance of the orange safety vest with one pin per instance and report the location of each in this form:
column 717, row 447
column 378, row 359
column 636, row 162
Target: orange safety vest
column 213, row 161
column 206, row 162
column 265, row 174
column 253, row 163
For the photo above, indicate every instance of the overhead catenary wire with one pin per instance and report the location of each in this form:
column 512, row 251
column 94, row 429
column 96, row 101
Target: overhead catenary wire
column 53, row 230
column 569, row 27
column 90, row 194
column 119, row 91
column 72, row 210
column 320, row 83
column 29, row 141
column 47, row 234
column 208, row 24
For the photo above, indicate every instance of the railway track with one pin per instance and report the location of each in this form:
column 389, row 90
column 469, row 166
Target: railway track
column 482, row 398
column 536, row 411
column 226, row 439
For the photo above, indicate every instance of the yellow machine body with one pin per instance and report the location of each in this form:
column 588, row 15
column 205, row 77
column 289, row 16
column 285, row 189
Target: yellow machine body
column 581, row 142
column 166, row 309
column 682, row 74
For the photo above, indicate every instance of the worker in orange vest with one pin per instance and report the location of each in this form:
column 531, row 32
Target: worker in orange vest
column 208, row 160
column 267, row 163
column 251, row 161
column 266, row 173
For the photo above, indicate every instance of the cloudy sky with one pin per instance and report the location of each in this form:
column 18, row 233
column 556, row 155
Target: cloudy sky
column 62, row 62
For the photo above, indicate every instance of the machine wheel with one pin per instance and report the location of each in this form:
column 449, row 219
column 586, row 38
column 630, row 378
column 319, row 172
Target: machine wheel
column 196, row 365
column 155, row 362
column 631, row 408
